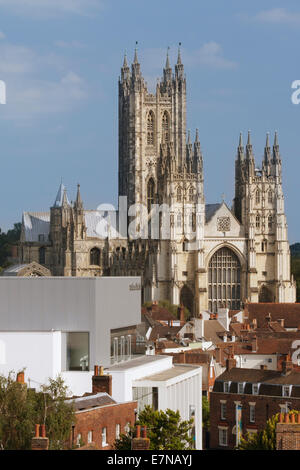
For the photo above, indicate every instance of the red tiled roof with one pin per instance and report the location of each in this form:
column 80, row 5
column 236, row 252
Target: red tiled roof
column 290, row 312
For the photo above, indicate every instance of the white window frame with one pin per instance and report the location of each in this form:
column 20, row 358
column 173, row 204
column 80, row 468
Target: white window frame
column 241, row 384
column 78, row 439
column 251, row 410
column 286, row 387
column 118, row 431
column 223, row 432
column 104, row 436
column 90, row 437
column 226, row 384
column 253, row 388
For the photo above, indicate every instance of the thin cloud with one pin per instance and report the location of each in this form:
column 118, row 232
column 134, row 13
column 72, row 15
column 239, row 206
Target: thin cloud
column 278, row 16
column 30, row 93
column 51, row 7
column 2, row 35
column 210, row 55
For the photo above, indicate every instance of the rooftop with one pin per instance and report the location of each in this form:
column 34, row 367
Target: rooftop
column 168, row 374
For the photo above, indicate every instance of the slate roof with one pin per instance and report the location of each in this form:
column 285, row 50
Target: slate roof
column 92, row 401
column 212, row 329
column 210, row 210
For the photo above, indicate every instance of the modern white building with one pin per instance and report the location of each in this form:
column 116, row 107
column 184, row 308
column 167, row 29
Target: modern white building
column 52, row 325
column 155, row 381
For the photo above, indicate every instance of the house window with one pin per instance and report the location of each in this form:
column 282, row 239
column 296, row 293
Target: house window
column 118, row 429
column 104, row 432
column 223, row 441
column 78, row 440
column 241, row 387
column 286, row 390
column 255, row 389
column 223, row 410
column 41, row 237
column 226, row 387
column 252, row 413
column 90, row 437
column 127, row 427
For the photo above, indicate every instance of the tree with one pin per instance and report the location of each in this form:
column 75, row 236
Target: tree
column 205, row 412
column 6, row 240
column 165, row 430
column 22, row 408
column 263, row 440
column 172, row 308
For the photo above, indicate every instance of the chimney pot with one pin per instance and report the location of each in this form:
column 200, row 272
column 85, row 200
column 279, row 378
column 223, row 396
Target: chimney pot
column 20, row 378
column 101, row 370
column 293, row 419
column 144, row 432
column 138, row 431
column 286, row 418
column 96, row 370
column 37, row 430
column 43, row 429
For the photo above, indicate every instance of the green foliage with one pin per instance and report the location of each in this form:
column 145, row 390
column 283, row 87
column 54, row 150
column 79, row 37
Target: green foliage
column 165, row 430
column 124, row 441
column 263, row 440
column 21, row 409
column 172, row 308
column 205, row 412
column 6, row 239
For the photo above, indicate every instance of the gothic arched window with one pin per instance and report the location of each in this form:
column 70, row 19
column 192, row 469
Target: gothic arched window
column 257, row 196
column 224, row 280
column 150, row 128
column 270, row 196
column 179, row 194
column 150, row 193
column 270, row 222
column 165, row 127
column 179, row 220
column 257, row 221
column 42, row 255
column 95, row 256
column 191, row 195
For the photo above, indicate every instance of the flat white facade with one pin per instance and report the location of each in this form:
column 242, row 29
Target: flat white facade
column 178, row 387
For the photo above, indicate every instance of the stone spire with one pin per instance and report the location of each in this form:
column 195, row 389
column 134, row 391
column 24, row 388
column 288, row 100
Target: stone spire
column 125, row 71
column 167, row 69
column 249, row 151
column 240, row 149
column 267, row 152
column 189, row 148
column 135, row 67
column 78, row 203
column 198, row 162
column 276, row 154
column 179, row 69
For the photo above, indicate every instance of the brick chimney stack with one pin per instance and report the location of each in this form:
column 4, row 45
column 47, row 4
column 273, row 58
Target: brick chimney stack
column 101, row 382
column 140, row 442
column 287, row 365
column 181, row 315
column 40, row 442
column 230, row 362
column 288, row 432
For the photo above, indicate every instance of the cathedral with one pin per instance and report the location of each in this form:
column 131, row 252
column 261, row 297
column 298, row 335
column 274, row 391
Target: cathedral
column 236, row 254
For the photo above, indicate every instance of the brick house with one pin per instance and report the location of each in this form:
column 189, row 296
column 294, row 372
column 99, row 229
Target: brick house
column 259, row 393
column 99, row 418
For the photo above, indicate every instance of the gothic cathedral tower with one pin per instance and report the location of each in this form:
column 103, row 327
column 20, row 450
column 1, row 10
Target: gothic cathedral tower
column 259, row 206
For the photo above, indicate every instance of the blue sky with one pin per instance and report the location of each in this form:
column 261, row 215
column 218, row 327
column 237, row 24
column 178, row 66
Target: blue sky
column 61, row 60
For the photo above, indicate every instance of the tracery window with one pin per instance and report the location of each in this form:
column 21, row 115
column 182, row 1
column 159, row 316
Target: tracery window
column 270, row 222
column 191, row 195
column 150, row 194
column 224, row 280
column 257, row 221
column 95, row 257
column 165, row 127
column 150, row 128
column 257, row 196
column 179, row 220
column 179, row 194
column 270, row 196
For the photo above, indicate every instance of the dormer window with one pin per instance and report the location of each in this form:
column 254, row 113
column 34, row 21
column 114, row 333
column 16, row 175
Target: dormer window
column 241, row 387
column 255, row 389
column 226, row 387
